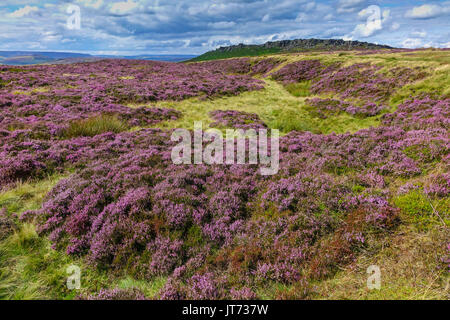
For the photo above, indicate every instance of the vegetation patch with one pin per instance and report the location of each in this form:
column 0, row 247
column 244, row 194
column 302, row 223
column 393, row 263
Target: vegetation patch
column 94, row 126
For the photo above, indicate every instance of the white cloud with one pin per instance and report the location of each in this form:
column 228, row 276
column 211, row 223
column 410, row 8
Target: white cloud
column 419, row 33
column 412, row 43
column 22, row 12
column 50, row 36
column 222, row 24
column 123, row 7
column 328, row 17
column 426, row 11
column 395, row 26
column 301, row 17
column 91, row 3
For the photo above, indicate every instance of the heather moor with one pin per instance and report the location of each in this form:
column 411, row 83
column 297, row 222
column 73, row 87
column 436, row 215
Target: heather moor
column 291, row 170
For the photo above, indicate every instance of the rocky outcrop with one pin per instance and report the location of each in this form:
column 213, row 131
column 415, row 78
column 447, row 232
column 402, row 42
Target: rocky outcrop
column 308, row 44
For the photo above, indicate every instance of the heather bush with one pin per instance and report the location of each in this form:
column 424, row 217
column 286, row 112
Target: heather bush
column 300, row 71
column 7, row 225
column 157, row 219
column 236, row 119
column 365, row 82
column 323, row 108
column 115, row 295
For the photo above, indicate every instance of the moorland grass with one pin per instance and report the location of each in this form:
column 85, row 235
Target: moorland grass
column 278, row 108
column 94, row 126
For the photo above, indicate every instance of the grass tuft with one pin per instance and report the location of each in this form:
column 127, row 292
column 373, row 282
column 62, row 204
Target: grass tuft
column 300, row 89
column 95, row 126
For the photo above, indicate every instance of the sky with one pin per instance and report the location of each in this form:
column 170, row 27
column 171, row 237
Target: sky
column 131, row 27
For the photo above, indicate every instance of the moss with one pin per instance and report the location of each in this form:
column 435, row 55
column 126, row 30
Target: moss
column 418, row 208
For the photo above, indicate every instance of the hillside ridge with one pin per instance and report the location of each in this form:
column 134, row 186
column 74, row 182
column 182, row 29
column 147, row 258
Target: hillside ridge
column 281, row 46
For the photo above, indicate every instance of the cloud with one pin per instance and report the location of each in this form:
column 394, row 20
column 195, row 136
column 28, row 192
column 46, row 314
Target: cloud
column 121, row 8
column 395, row 26
column 348, row 6
column 96, row 4
column 427, row 11
column 187, row 26
column 25, row 11
column 411, row 43
column 419, row 33
column 414, row 43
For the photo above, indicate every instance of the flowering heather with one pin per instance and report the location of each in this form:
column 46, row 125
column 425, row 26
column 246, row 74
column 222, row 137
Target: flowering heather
column 301, row 71
column 237, row 119
column 323, row 108
column 137, row 206
column 237, row 66
column 115, row 295
column 242, row 66
column 361, row 81
column 7, row 226
column 215, row 232
column 365, row 82
column 123, row 81
column 263, row 67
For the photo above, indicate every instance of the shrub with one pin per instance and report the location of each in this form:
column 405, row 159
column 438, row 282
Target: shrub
column 7, row 226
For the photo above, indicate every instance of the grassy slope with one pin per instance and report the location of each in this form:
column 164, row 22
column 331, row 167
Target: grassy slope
column 30, row 269
column 244, row 52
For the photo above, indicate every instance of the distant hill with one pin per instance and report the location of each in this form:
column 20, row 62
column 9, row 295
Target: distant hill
column 242, row 50
column 27, row 57
column 30, row 58
column 167, row 57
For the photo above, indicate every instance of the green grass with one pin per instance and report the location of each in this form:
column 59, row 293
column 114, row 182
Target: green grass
column 300, row 89
column 278, row 108
column 148, row 288
column 27, row 196
column 437, row 84
column 30, row 269
column 424, row 212
column 95, row 126
column 410, row 269
column 236, row 53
